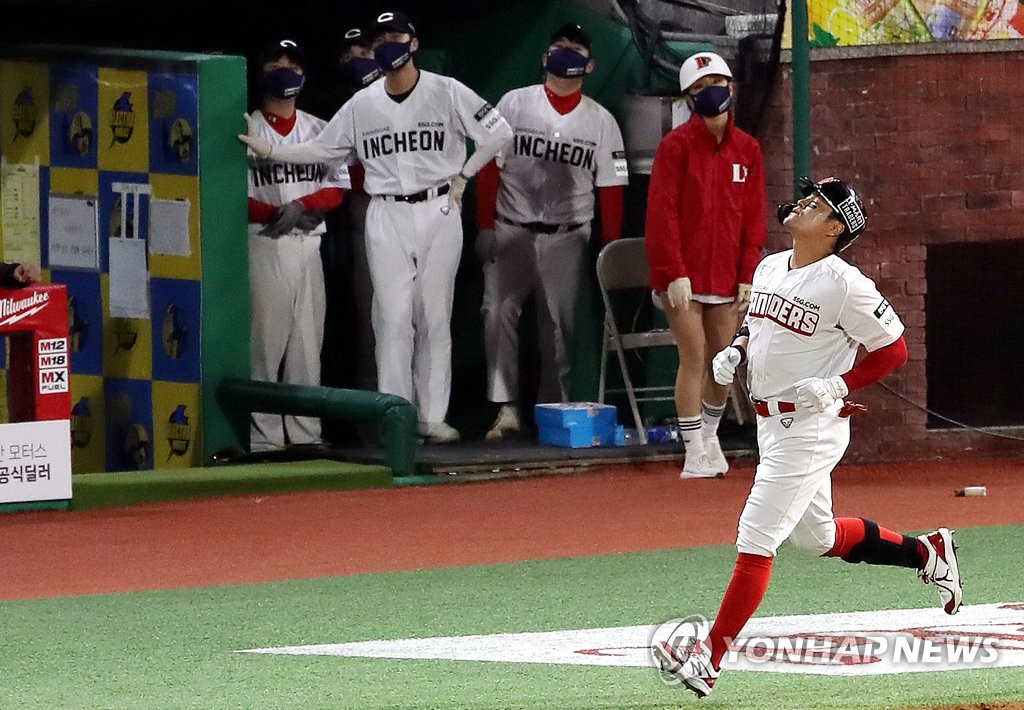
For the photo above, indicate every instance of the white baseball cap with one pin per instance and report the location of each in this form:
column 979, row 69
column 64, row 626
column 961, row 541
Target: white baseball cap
column 701, row 64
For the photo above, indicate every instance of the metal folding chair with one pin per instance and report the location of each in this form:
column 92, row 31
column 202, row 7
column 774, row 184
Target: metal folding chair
column 622, row 267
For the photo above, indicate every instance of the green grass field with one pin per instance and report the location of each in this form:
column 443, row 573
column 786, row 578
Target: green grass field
column 175, row 649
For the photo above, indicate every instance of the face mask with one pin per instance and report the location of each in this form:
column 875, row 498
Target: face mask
column 359, row 71
column 283, row 83
column 712, row 101
column 391, row 56
column 566, row 63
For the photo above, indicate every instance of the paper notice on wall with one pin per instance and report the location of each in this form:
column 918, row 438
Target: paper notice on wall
column 19, row 195
column 168, row 227
column 129, row 279
column 74, row 233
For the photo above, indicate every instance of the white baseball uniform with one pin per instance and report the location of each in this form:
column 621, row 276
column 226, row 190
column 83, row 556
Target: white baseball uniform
column 806, row 322
column 544, row 210
column 412, row 148
column 287, row 282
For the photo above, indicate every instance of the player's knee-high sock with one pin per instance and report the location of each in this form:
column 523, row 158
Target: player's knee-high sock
column 860, row 540
column 746, row 590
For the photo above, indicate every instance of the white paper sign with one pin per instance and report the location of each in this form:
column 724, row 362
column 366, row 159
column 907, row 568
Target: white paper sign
column 19, row 210
column 35, row 461
column 168, row 227
column 74, row 233
column 129, row 279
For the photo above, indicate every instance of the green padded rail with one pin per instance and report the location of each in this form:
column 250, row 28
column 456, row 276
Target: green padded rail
column 395, row 416
column 115, row 490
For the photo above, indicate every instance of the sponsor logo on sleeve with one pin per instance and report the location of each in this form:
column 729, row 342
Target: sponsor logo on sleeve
column 882, row 308
column 484, row 110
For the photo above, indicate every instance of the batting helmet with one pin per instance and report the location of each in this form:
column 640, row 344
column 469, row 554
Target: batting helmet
column 701, row 64
column 845, row 203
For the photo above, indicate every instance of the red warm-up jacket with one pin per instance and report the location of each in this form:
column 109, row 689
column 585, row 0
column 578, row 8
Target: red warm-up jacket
column 707, row 207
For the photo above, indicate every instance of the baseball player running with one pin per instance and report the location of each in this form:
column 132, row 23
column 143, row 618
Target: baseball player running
column 564, row 145
column 409, row 132
column 809, row 313
column 286, row 216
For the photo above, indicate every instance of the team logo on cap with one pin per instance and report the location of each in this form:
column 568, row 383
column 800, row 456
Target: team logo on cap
column 702, row 62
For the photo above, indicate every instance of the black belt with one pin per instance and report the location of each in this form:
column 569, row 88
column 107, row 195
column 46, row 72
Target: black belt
column 421, row 196
column 542, row 227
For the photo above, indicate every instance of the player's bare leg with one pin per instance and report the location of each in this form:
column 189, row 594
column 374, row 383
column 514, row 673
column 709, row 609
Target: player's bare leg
column 720, row 323
column 687, row 325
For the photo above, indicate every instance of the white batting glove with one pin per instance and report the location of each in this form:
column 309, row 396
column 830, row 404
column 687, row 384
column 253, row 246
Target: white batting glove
column 679, row 293
column 259, row 146
column 742, row 297
column 455, row 192
column 723, row 367
column 817, row 394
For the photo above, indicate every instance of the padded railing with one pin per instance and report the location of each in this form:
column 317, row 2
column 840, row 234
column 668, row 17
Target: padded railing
column 396, row 418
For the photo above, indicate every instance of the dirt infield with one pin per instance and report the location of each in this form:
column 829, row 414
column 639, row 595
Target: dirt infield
column 297, row 536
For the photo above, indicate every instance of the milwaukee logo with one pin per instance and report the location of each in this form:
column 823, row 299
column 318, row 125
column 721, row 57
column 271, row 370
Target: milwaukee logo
column 13, row 310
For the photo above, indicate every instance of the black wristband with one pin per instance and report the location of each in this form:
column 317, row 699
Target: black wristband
column 743, row 353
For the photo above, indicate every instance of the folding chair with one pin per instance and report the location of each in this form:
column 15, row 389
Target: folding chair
column 621, row 266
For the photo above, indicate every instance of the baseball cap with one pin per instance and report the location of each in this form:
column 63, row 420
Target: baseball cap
column 393, row 21
column 283, row 48
column 352, row 38
column 843, row 200
column 701, row 64
column 573, row 33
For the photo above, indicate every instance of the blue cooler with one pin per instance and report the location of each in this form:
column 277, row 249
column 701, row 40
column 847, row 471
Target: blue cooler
column 578, row 424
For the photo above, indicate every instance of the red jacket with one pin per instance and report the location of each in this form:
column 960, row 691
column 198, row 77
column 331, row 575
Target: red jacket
column 707, row 207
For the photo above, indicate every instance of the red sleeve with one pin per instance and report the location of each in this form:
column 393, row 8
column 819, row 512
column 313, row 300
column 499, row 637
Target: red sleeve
column 664, row 241
column 487, row 195
column 755, row 219
column 611, row 199
column 261, row 212
column 323, row 200
column 876, row 365
column 357, row 174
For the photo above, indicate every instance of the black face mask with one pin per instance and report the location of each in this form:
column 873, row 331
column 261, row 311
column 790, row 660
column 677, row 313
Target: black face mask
column 359, row 71
column 712, row 101
column 282, row 83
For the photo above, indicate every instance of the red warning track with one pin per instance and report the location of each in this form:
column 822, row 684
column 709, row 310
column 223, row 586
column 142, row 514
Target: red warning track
column 249, row 539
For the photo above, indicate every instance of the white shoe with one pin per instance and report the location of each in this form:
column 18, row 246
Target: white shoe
column 942, row 568
column 506, row 424
column 438, row 433
column 682, row 653
column 715, row 456
column 698, row 465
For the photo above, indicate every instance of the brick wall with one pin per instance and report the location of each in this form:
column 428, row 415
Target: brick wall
column 936, row 145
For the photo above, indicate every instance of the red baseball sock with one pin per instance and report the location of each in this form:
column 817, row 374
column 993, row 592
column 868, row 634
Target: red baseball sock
column 746, row 590
column 860, row 540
